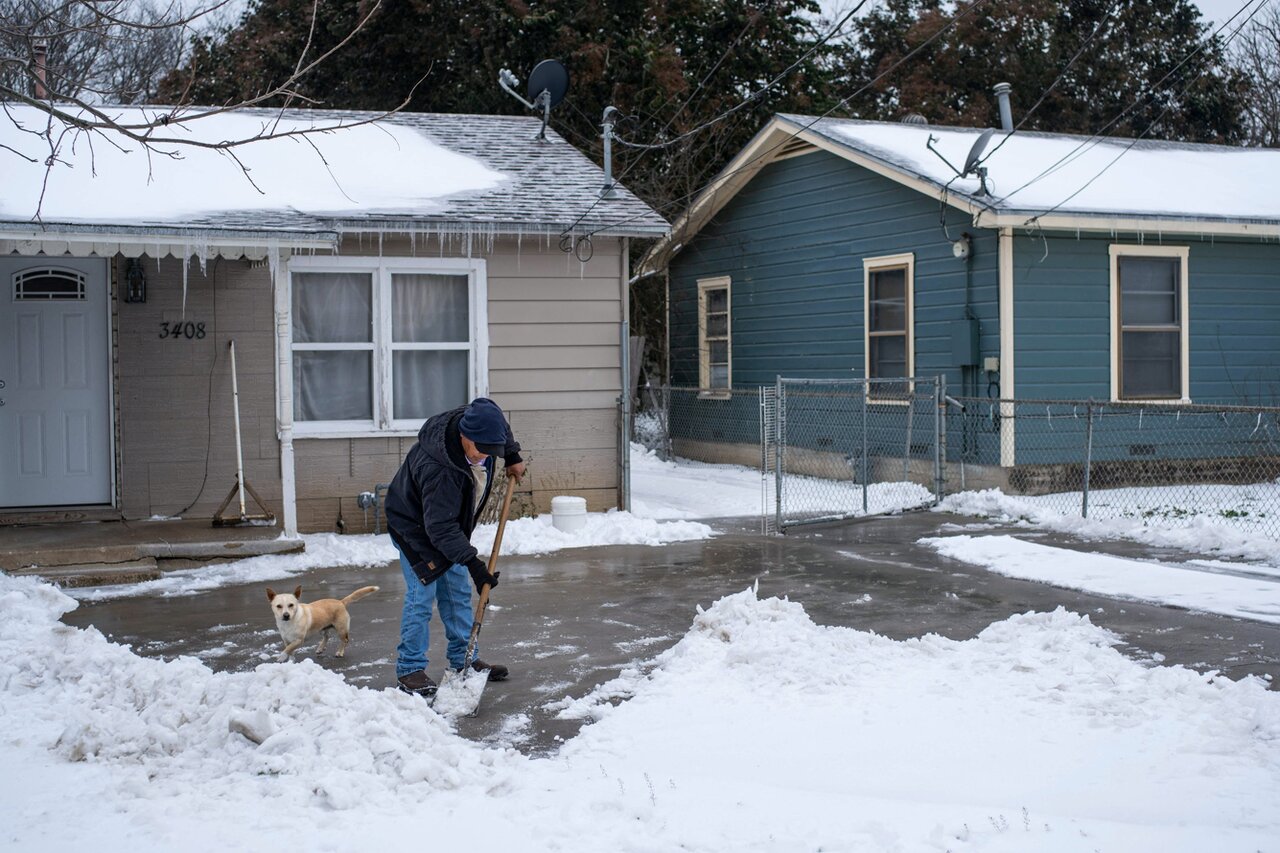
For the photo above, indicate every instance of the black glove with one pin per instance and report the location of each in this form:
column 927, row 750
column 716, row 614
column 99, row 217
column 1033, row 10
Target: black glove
column 480, row 573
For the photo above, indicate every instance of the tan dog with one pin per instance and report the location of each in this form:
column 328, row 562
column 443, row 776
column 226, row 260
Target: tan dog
column 297, row 620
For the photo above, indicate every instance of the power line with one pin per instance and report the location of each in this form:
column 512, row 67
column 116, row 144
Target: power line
column 1097, row 137
column 749, row 99
column 843, row 102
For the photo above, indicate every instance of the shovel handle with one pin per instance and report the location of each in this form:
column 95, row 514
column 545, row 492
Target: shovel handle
column 482, row 603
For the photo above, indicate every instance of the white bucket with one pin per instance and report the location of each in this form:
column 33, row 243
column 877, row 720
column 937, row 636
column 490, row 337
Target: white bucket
column 569, row 513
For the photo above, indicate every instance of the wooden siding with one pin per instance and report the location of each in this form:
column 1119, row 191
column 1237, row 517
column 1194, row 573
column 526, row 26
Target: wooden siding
column 173, row 395
column 554, row 367
column 1062, row 318
column 793, row 242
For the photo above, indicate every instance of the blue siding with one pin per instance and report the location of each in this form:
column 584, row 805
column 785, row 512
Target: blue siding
column 793, row 241
column 1062, row 334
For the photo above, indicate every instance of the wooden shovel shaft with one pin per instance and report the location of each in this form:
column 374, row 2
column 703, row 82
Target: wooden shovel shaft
column 482, row 603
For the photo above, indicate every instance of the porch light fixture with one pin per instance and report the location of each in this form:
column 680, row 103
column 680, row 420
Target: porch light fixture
column 136, row 281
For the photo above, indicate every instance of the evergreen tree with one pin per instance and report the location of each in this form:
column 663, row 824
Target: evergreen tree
column 1154, row 63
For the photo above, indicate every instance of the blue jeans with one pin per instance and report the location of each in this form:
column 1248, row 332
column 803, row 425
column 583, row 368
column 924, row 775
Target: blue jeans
column 452, row 593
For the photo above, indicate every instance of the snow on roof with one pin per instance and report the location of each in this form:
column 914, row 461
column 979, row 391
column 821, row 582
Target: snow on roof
column 426, row 169
column 1039, row 172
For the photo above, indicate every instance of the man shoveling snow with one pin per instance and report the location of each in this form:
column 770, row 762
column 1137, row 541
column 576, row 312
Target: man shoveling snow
column 432, row 506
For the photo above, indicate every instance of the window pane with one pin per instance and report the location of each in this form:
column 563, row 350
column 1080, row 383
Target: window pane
column 427, row 308
column 719, row 376
column 888, row 357
column 1152, row 365
column 719, row 352
column 718, row 300
column 427, row 382
column 888, row 300
column 717, row 325
column 333, row 386
column 1149, row 309
column 332, row 307
column 1149, row 290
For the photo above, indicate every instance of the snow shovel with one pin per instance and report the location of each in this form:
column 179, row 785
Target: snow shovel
column 459, row 692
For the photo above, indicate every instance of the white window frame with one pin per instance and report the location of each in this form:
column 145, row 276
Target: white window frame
column 381, row 271
column 1182, row 253
column 704, row 348
column 905, row 261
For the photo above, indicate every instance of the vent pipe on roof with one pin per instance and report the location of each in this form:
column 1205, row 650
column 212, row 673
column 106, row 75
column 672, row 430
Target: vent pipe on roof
column 606, row 124
column 39, row 63
column 1002, row 91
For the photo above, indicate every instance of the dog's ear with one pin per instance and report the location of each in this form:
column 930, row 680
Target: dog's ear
column 271, row 594
column 297, row 592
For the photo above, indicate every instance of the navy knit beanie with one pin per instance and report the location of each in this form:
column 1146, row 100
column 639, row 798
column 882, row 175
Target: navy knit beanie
column 484, row 424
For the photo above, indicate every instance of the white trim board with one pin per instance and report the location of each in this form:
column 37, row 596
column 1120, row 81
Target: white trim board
column 1115, row 250
column 381, row 268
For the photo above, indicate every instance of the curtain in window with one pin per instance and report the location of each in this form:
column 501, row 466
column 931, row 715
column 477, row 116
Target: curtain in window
column 430, row 308
column 332, row 307
column 333, row 384
column 427, row 382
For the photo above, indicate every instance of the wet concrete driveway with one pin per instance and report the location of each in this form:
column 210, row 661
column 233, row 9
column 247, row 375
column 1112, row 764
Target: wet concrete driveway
column 567, row 621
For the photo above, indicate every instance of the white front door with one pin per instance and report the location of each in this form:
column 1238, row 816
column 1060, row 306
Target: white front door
column 55, row 382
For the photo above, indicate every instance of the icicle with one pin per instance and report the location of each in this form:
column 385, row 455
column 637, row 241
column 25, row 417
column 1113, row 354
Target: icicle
column 185, row 258
column 1257, row 426
column 1141, row 412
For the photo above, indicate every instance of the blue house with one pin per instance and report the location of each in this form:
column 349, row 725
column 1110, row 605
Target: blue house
column 1139, row 273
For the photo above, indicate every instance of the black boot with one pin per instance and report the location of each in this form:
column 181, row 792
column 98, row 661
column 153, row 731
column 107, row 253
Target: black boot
column 418, row 683
column 497, row 672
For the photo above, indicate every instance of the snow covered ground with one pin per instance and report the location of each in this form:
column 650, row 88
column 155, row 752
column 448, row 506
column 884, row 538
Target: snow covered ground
column 1235, row 589
column 1231, row 521
column 688, row 489
column 759, row 730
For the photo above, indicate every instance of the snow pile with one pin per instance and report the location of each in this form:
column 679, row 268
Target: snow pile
column 759, row 730
column 685, row 488
column 1193, row 518
column 538, row 535
column 109, row 178
column 1214, row 588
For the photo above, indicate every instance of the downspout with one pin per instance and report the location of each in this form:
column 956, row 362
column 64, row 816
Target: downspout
column 284, row 395
column 624, row 429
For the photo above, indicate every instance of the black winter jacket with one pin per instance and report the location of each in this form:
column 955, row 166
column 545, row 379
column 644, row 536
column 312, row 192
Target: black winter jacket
column 430, row 504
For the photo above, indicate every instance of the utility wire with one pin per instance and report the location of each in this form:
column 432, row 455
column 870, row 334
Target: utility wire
column 749, row 99
column 1157, row 119
column 842, row 103
column 1097, row 137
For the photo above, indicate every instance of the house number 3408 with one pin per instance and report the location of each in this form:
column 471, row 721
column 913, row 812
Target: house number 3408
column 188, row 330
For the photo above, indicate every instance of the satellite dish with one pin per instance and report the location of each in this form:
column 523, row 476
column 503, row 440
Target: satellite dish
column 551, row 77
column 975, row 153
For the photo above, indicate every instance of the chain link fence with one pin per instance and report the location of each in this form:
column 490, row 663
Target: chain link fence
column 1168, row 465
column 834, row 449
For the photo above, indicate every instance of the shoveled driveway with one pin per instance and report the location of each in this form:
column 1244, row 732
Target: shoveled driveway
column 567, row 621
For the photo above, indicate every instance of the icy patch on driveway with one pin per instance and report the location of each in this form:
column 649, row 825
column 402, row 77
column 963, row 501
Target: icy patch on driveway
column 758, row 730
column 1182, row 586
column 329, row 550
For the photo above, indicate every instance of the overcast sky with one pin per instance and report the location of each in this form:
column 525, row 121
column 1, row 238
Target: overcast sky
column 1214, row 11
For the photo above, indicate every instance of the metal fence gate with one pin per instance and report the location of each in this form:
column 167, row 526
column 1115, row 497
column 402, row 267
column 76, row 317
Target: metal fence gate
column 835, row 449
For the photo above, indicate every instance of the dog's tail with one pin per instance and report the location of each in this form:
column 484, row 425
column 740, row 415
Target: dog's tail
column 359, row 594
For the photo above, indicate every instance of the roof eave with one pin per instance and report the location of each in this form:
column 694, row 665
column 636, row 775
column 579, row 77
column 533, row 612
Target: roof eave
column 1106, row 221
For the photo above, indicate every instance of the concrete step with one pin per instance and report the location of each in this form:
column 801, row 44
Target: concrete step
column 49, row 555
column 97, row 574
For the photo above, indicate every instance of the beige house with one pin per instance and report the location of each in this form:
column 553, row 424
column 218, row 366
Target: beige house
column 369, row 277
